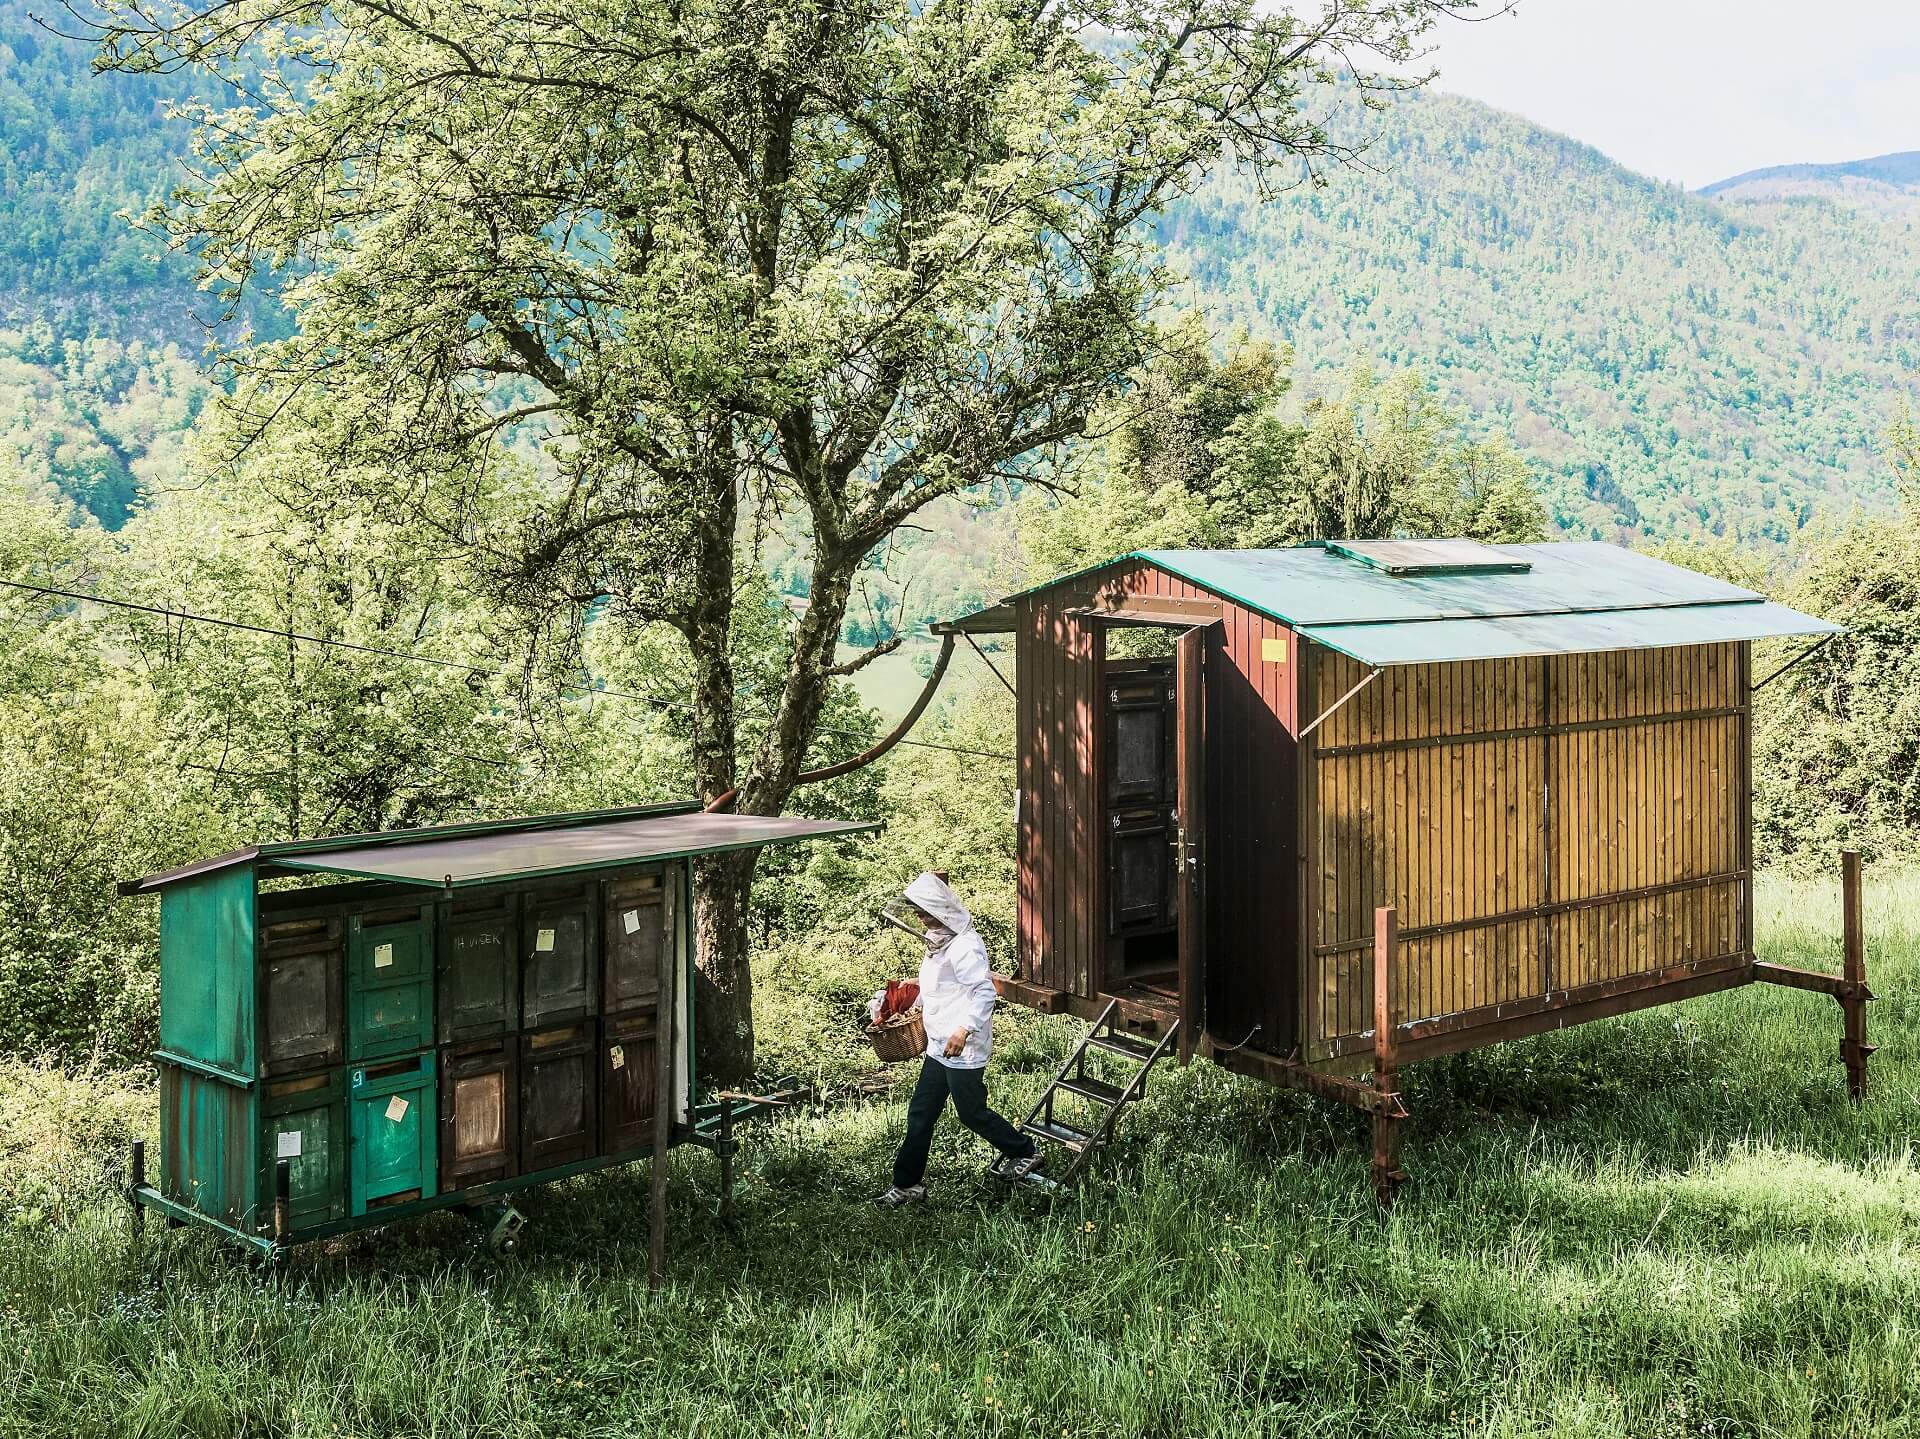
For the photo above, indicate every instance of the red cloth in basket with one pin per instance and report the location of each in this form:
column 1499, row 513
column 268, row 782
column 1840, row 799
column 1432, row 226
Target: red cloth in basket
column 901, row 996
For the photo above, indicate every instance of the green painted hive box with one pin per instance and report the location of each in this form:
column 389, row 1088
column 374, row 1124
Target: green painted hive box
column 375, row 1025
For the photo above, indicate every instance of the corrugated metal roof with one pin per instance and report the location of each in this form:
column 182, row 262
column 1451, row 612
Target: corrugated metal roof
column 1569, row 599
column 489, row 852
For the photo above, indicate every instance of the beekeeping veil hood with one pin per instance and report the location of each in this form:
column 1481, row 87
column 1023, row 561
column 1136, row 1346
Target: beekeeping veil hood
column 930, row 893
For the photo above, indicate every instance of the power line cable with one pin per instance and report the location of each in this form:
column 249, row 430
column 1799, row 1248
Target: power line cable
column 436, row 660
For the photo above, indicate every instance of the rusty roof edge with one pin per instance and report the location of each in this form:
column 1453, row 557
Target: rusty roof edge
column 1454, row 616
column 843, row 829
column 213, row 864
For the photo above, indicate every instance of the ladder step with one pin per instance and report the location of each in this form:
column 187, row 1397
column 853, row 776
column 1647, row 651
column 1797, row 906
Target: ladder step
column 1065, row 1135
column 1122, row 1044
column 1097, row 1090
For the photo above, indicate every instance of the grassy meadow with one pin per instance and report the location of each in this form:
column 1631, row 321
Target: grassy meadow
column 1672, row 1224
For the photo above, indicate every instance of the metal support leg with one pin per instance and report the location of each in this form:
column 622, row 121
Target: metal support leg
column 137, row 1179
column 1854, row 995
column 1387, row 1174
column 726, row 1159
column 282, row 1200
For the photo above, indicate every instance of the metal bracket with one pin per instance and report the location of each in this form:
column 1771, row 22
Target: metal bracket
column 1372, row 675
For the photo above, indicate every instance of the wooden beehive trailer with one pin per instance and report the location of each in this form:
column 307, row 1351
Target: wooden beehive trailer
column 1519, row 775
column 454, row 1014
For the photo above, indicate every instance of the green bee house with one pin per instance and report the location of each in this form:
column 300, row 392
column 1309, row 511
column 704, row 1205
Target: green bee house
column 360, row 1028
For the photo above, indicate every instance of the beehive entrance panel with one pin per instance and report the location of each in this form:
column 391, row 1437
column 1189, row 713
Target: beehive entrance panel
column 559, row 978
column 389, row 982
column 303, row 958
column 479, row 967
column 479, row 1114
column 304, row 1122
column 559, row 1097
column 628, row 1066
column 395, row 1134
column 638, row 922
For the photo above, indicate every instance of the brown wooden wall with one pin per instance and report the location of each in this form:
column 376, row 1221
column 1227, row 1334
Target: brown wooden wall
column 1253, row 859
column 1539, row 825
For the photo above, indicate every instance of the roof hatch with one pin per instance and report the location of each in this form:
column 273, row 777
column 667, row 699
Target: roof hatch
column 1431, row 557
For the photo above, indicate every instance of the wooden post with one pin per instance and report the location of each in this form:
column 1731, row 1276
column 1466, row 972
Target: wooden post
column 663, row 1101
column 1854, row 994
column 1388, row 1110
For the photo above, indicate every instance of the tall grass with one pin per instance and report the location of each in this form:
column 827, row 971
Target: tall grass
column 1669, row 1224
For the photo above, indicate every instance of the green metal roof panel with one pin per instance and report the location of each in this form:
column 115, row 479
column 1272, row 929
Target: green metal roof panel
column 1498, row 600
column 489, row 858
column 1312, row 585
column 1401, row 642
column 318, row 855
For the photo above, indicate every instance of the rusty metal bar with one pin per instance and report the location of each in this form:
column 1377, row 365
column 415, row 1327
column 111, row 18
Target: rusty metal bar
column 1387, row 1175
column 1854, row 1049
column 1332, row 709
column 1805, row 654
column 1412, row 1038
column 1791, row 978
column 974, row 645
column 1388, row 746
column 1538, row 911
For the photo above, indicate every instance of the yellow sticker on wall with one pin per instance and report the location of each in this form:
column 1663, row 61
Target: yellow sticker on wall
column 1274, row 650
column 618, row 1055
column 543, row 942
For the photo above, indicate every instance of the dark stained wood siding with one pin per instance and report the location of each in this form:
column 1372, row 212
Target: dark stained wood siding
column 1252, row 864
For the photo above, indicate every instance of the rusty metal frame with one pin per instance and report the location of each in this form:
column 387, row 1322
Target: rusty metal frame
column 1848, row 987
column 1543, row 911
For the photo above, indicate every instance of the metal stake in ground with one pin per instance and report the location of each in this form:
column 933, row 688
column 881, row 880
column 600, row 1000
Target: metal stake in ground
column 1854, row 994
column 1388, row 1111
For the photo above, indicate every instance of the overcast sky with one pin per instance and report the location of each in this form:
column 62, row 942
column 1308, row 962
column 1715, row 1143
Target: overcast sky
column 1697, row 90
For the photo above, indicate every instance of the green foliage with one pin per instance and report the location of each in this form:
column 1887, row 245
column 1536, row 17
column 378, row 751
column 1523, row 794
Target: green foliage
column 1668, row 365
column 1213, row 455
column 1837, row 738
column 99, row 421
column 1703, row 1238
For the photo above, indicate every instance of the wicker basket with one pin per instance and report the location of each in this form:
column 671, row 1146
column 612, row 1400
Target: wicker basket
column 902, row 1037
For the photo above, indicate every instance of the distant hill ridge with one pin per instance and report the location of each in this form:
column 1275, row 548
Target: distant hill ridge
column 1901, row 169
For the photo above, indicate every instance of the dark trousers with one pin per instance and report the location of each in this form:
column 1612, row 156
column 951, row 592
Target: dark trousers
column 968, row 1090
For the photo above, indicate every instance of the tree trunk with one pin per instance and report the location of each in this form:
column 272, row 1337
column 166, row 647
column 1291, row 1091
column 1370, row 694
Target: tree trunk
column 723, row 988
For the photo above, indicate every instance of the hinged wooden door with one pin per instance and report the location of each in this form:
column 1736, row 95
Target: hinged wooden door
column 1190, row 702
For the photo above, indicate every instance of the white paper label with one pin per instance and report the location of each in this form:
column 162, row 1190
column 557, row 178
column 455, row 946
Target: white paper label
column 382, row 956
column 287, row 1145
column 396, row 1109
column 619, row 1056
column 543, row 942
column 630, row 921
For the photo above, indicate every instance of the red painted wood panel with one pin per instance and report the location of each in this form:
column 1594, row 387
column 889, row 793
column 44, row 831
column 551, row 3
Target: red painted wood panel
column 1252, row 866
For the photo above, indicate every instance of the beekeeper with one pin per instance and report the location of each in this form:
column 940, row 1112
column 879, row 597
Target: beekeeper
column 956, row 1004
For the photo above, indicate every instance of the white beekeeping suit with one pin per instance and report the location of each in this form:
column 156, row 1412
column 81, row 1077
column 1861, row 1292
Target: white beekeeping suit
column 956, row 982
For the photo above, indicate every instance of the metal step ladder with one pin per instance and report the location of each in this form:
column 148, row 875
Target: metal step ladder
column 1107, row 1099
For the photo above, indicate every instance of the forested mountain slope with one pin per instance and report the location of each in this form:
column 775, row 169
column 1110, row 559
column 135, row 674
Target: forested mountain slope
column 1675, row 364
column 1898, row 172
